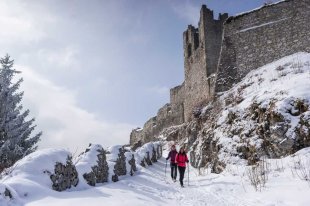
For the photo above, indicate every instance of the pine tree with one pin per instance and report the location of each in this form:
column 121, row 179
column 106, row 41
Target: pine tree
column 15, row 131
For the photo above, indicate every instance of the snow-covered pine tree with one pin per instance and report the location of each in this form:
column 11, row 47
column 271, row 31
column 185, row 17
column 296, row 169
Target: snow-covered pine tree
column 15, row 129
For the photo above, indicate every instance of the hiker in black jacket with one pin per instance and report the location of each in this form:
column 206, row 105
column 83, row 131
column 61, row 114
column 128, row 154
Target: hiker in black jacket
column 172, row 154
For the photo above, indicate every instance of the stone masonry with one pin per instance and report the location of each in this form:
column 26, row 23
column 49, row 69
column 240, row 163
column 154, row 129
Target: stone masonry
column 262, row 36
column 220, row 52
column 202, row 47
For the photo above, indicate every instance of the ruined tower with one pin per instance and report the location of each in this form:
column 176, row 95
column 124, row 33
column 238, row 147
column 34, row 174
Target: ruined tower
column 202, row 47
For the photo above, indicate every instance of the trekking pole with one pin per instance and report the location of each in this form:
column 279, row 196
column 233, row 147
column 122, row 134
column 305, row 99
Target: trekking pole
column 188, row 175
column 165, row 169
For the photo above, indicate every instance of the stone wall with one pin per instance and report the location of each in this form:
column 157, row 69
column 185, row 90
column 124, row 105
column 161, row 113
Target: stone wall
column 202, row 47
column 262, row 36
column 167, row 116
column 177, row 95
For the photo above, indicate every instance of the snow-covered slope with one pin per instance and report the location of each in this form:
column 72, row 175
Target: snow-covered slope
column 268, row 108
column 266, row 114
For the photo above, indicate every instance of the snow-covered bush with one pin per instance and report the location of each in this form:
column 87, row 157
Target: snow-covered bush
column 65, row 175
column 42, row 170
column 92, row 166
column 130, row 163
column 148, row 153
column 117, row 159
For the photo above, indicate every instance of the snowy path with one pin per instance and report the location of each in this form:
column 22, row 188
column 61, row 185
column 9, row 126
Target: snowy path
column 150, row 187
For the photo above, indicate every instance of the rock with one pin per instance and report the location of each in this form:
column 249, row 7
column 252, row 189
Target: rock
column 303, row 132
column 7, row 193
column 136, row 145
column 114, row 177
column 142, row 163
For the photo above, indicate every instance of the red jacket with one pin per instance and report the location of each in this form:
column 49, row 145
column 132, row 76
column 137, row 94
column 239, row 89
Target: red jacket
column 181, row 159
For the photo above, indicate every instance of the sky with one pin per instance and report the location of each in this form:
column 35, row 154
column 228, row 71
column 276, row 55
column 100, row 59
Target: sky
column 94, row 70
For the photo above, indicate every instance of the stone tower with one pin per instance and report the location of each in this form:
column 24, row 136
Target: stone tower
column 202, row 47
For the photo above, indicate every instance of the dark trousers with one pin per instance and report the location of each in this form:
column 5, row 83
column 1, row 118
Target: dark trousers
column 174, row 172
column 181, row 171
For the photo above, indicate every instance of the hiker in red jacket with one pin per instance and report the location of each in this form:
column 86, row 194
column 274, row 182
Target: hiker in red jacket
column 181, row 160
column 172, row 154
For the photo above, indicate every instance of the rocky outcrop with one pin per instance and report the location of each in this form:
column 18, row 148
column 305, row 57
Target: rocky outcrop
column 246, row 123
column 65, row 176
column 136, row 145
column 303, row 131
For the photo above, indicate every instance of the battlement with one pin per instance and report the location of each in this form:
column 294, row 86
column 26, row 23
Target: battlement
column 195, row 37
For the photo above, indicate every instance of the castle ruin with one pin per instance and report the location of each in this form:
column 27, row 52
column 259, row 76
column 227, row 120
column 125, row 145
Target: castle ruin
column 220, row 52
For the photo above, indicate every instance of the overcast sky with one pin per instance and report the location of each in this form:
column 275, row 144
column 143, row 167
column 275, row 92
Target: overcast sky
column 95, row 69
